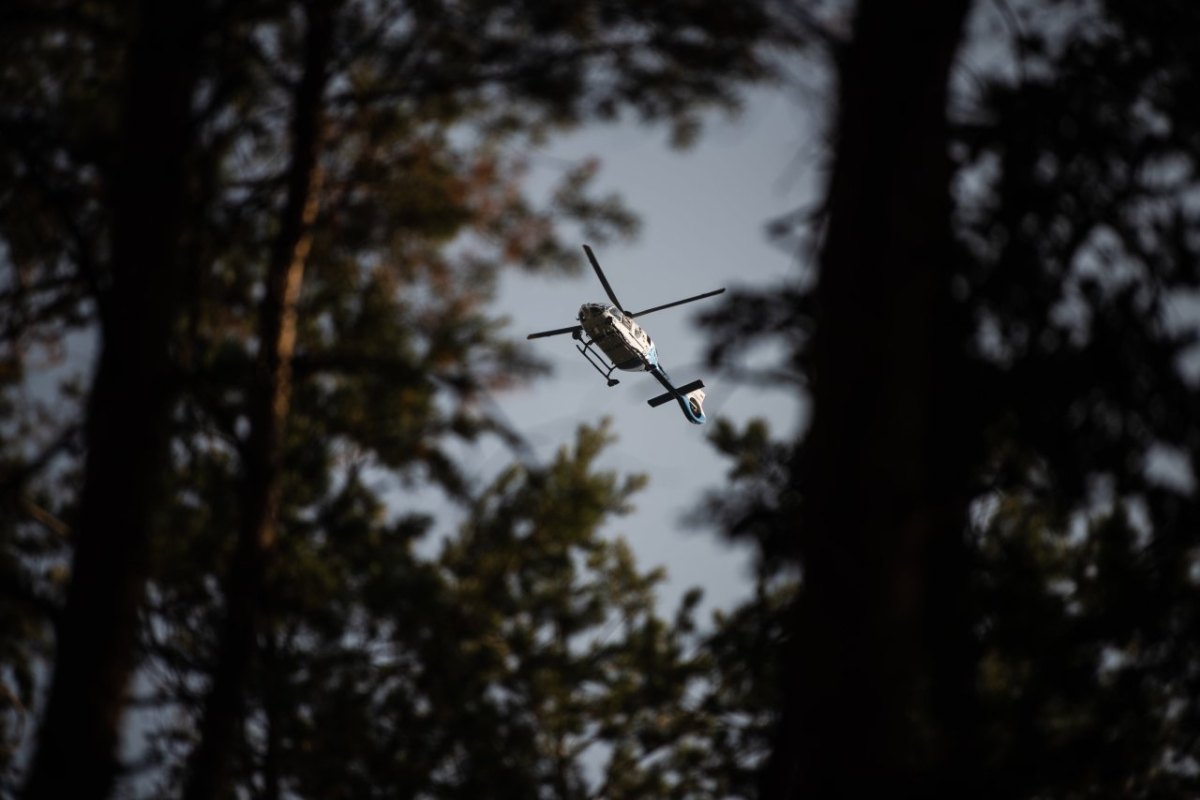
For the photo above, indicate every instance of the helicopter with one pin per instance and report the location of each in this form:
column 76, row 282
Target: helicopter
column 624, row 345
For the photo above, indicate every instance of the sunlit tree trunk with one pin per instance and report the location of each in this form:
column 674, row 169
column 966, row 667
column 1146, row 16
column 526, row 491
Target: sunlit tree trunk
column 878, row 472
column 128, row 413
column 269, row 405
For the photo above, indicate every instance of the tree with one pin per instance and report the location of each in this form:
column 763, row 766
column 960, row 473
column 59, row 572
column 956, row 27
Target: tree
column 1079, row 248
column 1065, row 642
column 526, row 659
column 268, row 407
column 880, row 374
column 131, row 392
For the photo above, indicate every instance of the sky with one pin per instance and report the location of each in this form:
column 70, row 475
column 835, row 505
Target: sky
column 704, row 213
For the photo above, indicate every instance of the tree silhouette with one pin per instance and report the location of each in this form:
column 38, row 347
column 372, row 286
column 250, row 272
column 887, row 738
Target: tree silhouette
column 880, row 374
column 268, row 408
column 1042, row 645
column 131, row 392
column 1077, row 256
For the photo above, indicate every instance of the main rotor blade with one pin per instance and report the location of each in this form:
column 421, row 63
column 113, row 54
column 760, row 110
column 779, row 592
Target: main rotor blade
column 554, row 332
column 677, row 303
column 600, row 274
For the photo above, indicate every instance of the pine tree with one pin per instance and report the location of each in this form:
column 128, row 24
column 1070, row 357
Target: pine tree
column 1067, row 621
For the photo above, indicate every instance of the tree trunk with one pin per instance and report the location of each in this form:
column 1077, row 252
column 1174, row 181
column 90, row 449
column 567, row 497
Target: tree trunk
column 880, row 469
column 128, row 413
column 269, row 405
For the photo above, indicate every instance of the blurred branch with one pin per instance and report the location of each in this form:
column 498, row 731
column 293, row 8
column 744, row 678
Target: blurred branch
column 268, row 410
column 19, row 591
column 306, row 365
column 39, row 16
column 45, row 518
column 808, row 25
column 1019, row 38
column 11, row 483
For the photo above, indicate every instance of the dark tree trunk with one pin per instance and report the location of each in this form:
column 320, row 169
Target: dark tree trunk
column 880, row 471
column 269, row 404
column 128, row 413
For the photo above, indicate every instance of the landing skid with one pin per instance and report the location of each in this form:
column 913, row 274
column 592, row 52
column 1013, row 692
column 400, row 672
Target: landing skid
column 595, row 359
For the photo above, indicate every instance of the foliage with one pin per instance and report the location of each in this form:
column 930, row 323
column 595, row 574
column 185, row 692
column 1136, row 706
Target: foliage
column 1085, row 663
column 1076, row 400
column 1080, row 254
column 525, row 659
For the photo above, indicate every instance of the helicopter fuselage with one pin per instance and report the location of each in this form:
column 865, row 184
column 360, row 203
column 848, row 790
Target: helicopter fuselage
column 625, row 342
column 627, row 347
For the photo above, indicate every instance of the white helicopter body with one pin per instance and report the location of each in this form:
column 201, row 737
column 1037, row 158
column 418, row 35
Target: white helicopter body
column 628, row 347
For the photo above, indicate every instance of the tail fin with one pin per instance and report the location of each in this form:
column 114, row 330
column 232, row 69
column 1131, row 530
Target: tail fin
column 687, row 389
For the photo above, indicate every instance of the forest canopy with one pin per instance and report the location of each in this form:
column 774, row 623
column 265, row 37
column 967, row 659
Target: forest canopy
column 248, row 261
